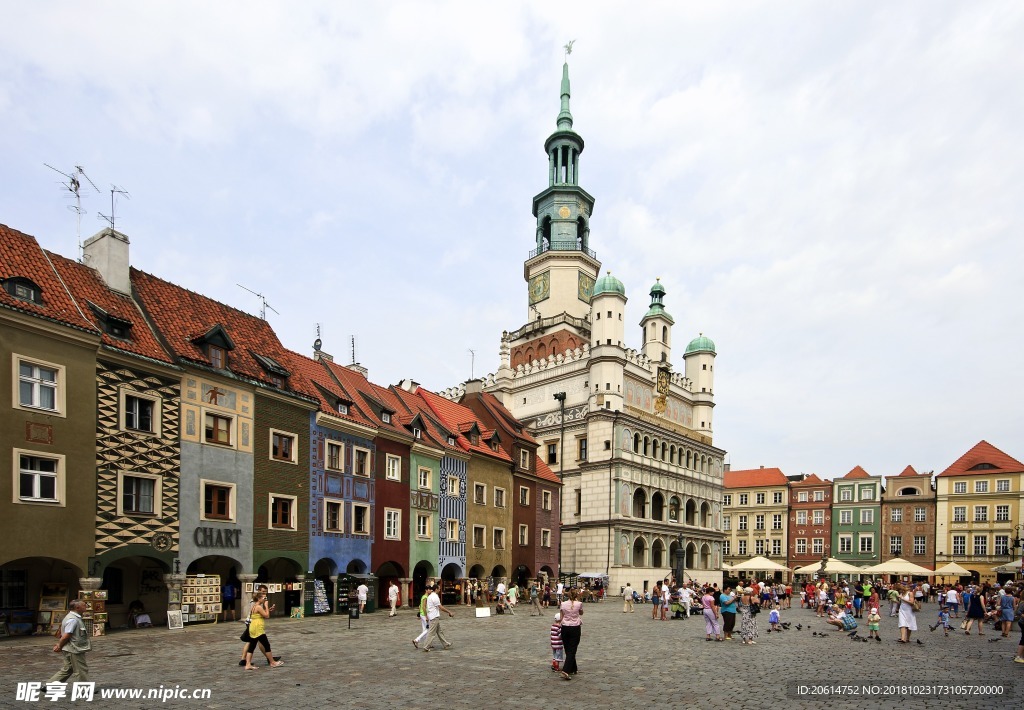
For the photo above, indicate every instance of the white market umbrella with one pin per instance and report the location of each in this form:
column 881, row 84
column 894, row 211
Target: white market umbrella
column 953, row 570
column 832, row 566
column 898, row 565
column 759, row 564
column 1010, row 567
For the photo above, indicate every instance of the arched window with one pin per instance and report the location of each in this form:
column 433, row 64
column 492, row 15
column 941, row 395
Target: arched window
column 909, row 492
column 672, row 454
column 691, row 512
column 657, row 507
column 639, row 550
column 647, row 446
column 687, row 459
column 705, row 556
column 639, row 503
column 636, row 443
column 673, row 510
column 705, row 515
column 657, row 554
column 664, row 334
column 663, row 450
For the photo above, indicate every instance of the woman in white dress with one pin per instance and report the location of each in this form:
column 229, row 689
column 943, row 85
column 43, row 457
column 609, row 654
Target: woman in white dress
column 907, row 616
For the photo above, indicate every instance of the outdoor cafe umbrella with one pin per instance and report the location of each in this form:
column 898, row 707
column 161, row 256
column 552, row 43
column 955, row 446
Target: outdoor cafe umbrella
column 1009, row 567
column 759, row 564
column 832, row 566
column 898, row 565
column 952, row 570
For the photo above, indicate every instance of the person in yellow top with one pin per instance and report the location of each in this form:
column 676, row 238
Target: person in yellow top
column 259, row 610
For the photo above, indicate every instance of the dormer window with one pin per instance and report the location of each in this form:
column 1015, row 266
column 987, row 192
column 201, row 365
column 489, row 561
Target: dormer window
column 417, row 433
column 23, row 290
column 342, row 408
column 218, row 356
column 276, row 381
column 276, row 374
column 451, row 441
column 385, row 417
column 494, row 446
column 111, row 324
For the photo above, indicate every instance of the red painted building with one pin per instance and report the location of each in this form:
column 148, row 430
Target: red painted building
column 810, row 521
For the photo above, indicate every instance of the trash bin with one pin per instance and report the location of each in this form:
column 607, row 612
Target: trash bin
column 353, row 612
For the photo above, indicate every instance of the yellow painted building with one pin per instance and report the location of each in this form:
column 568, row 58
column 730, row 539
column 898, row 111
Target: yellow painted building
column 754, row 513
column 980, row 511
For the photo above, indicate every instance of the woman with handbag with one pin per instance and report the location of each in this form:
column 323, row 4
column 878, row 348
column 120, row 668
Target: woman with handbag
column 259, row 610
column 748, row 622
column 907, row 614
column 572, row 630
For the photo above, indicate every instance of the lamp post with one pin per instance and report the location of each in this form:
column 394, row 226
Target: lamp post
column 680, row 559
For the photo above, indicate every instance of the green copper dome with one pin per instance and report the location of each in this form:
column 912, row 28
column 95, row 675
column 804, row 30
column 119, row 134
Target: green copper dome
column 657, row 288
column 701, row 343
column 608, row 284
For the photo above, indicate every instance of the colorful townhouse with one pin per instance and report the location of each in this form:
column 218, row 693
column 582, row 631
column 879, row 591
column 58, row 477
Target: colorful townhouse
column 810, row 521
column 755, row 508
column 908, row 518
column 856, row 518
column 980, row 513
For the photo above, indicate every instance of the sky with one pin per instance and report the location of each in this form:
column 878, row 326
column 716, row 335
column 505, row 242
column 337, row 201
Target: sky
column 831, row 191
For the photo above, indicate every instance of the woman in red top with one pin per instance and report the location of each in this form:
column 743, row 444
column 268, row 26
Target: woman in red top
column 572, row 628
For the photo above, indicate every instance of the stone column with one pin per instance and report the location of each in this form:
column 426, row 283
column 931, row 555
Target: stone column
column 174, row 582
column 405, row 585
column 333, row 601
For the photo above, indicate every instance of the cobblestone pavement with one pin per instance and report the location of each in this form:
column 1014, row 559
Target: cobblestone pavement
column 626, row 661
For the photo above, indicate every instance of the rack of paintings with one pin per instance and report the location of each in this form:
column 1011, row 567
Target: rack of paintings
column 200, row 599
column 53, row 607
column 95, row 613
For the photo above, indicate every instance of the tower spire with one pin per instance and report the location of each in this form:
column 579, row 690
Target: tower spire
column 564, row 120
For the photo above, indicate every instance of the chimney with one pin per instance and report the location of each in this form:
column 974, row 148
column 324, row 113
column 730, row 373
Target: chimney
column 356, row 367
column 107, row 252
column 474, row 386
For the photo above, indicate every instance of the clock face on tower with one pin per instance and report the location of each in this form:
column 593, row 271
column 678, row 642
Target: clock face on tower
column 586, row 287
column 540, row 287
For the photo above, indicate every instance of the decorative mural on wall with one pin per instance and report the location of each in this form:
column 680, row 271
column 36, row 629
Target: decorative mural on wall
column 201, row 397
column 642, row 396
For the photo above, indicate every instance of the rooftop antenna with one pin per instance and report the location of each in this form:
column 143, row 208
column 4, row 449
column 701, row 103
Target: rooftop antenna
column 73, row 185
column 472, row 362
column 263, row 302
column 114, row 192
column 354, row 361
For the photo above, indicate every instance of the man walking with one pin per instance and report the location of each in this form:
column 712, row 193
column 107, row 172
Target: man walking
column 73, row 643
column 393, row 597
column 434, row 610
column 361, row 592
column 627, row 599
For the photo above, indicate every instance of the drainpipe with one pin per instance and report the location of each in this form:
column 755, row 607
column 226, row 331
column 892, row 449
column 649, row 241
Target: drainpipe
column 611, row 494
column 560, row 396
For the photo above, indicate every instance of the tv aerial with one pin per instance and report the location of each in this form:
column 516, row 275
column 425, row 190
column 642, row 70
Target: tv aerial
column 114, row 192
column 263, row 302
column 74, row 186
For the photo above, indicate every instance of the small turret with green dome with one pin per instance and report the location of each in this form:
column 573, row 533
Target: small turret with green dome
column 608, row 284
column 701, row 343
column 657, row 308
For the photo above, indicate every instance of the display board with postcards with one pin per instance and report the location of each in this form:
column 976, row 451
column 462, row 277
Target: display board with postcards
column 200, row 599
column 95, row 613
column 53, row 602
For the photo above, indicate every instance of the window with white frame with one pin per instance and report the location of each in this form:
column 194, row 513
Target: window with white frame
column 480, row 493
column 334, row 515
column 452, row 530
column 801, row 546
column 801, row 497
column 545, row 538
column 959, row 544
column 218, row 429
column 524, row 535
column 819, row 496
column 726, row 522
column 393, row 465
column 981, row 513
column 39, row 477
column 867, row 492
column 40, row 385
column 776, row 521
column 777, row 497
column 846, row 517
column 139, row 414
column 524, row 459
column 139, row 493
column 817, row 546
column 218, row 500
column 744, row 499
column 776, row 547
column 845, row 494
column 867, row 516
column 742, row 523
column 524, row 495
column 758, row 547
column 759, row 498
column 845, row 544
column 960, row 486
column 726, row 548
column 981, row 486
column 283, row 511
column 423, row 476
column 727, row 499
column 1002, row 545
column 499, row 538
column 1003, row 485
column 959, row 513
column 801, row 517
column 920, row 514
column 334, row 459
column 1002, row 513
column 360, row 461
column 453, row 486
column 895, row 545
column 385, row 417
column 479, row 536
column 759, row 522
column 499, row 497
column 741, row 547
column 819, row 517
column 360, row 519
column 545, row 500
column 867, row 544
column 896, row 515
column 423, row 526
column 980, row 545
column 282, row 446
column 392, row 524
column 920, row 545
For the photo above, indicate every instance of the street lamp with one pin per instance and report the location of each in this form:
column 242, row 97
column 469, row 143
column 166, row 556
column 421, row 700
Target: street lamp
column 680, row 559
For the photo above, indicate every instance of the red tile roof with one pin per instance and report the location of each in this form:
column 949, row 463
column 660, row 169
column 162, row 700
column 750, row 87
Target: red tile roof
column 88, row 287
column 857, row 472
column 181, row 315
column 434, row 429
column 460, row 419
column 330, row 392
column 909, row 471
column 753, row 478
column 21, row 256
column 983, row 453
column 811, row 480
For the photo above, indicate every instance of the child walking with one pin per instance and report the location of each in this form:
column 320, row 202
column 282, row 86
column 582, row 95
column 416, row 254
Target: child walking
column 943, row 621
column 557, row 648
column 873, row 621
column 773, row 621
